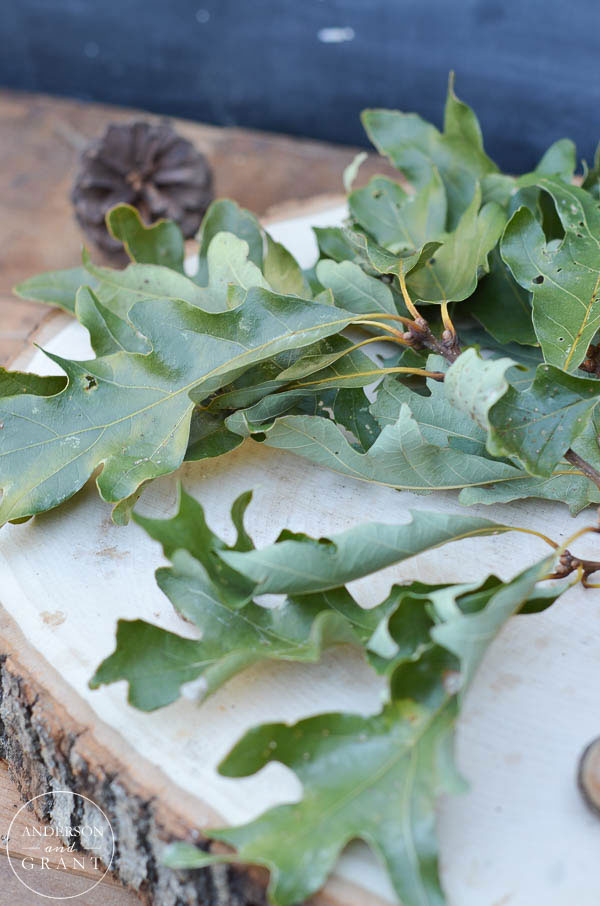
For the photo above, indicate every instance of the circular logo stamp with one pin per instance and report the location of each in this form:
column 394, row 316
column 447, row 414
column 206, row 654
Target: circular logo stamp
column 79, row 842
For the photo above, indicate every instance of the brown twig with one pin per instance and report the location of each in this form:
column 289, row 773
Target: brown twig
column 591, row 363
column 568, row 563
column 419, row 335
column 418, row 332
column 589, row 471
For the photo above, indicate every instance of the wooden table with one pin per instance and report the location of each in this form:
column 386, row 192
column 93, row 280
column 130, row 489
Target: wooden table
column 40, row 141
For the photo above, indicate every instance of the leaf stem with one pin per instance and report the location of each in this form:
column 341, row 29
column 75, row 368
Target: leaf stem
column 396, row 333
column 406, row 295
column 584, row 531
column 420, row 372
column 446, row 319
column 384, row 314
column 391, row 339
column 545, row 538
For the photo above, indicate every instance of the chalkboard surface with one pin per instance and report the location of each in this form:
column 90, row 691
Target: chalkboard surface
column 307, row 67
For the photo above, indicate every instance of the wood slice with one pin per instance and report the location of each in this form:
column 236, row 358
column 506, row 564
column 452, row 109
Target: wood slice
column 521, row 835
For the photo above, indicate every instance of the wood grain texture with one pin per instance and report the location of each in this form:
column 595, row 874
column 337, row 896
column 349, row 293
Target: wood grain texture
column 40, row 140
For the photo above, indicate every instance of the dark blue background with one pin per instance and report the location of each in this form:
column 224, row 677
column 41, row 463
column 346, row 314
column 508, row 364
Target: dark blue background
column 531, row 68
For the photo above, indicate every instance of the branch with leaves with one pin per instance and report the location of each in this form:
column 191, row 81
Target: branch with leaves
column 363, row 777
column 469, row 259
column 447, row 338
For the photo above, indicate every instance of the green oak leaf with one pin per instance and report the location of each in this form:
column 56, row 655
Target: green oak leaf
column 333, row 351
column 131, row 413
column 302, row 401
column 57, row 288
column 564, row 278
column 108, row 332
column 268, row 377
column 362, row 777
column 272, row 375
column 160, row 243
column 298, row 564
column 351, row 410
column 468, row 630
column 439, row 423
column 333, row 243
column 566, row 485
column 354, row 290
column 398, row 221
column 560, row 159
column 380, row 261
column 118, row 290
column 229, row 268
column 503, row 307
column 216, row 596
column 230, row 274
column 209, row 436
column 401, row 456
column 156, row 663
column 462, row 617
column 225, row 216
column 512, row 192
column 157, row 271
column 13, row 383
column 351, row 171
column 536, row 425
column 452, row 272
column 303, row 387
column 416, row 147
column 282, row 272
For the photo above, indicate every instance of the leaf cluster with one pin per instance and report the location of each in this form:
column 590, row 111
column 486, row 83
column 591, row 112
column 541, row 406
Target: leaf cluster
column 486, row 283
column 445, row 339
column 376, row 777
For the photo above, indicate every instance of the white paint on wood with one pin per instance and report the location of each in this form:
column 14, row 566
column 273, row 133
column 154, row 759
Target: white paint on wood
column 520, row 836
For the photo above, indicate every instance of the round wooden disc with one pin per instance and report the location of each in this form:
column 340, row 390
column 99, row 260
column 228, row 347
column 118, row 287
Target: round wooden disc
column 521, row 835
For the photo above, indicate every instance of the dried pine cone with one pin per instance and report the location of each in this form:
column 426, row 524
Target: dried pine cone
column 148, row 166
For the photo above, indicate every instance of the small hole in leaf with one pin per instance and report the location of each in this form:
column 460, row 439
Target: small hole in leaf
column 538, row 279
column 581, row 223
column 558, row 270
column 432, row 260
column 90, row 382
column 377, row 193
column 561, row 339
